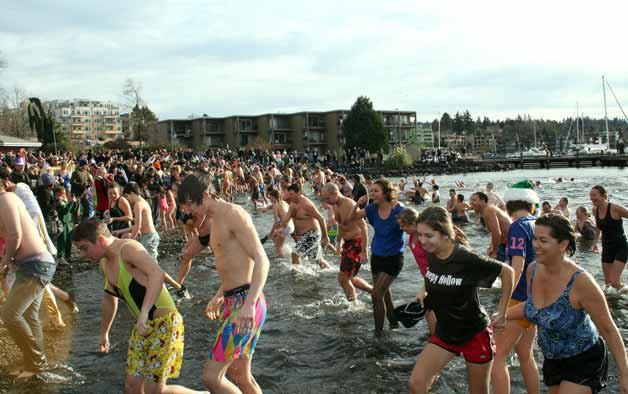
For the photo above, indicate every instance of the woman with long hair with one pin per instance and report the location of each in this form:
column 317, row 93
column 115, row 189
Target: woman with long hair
column 455, row 274
column 609, row 220
column 386, row 247
column 575, row 327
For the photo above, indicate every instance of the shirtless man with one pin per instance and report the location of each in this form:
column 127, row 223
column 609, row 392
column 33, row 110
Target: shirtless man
column 34, row 266
column 497, row 221
column 243, row 268
column 352, row 240
column 318, row 180
column 143, row 228
column 195, row 245
column 155, row 349
column 227, row 183
column 310, row 228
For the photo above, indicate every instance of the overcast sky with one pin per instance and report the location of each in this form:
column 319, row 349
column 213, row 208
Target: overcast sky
column 495, row 58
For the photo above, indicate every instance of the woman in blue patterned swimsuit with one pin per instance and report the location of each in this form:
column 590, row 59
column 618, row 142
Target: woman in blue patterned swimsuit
column 574, row 324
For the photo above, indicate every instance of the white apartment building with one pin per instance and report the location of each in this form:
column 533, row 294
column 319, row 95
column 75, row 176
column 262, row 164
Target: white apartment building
column 86, row 119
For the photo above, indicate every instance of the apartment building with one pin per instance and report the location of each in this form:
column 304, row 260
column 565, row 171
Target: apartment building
column 87, row 120
column 301, row 131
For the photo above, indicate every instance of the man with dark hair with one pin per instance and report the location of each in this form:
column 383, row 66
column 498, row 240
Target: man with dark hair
column 156, row 344
column 143, row 228
column 497, row 222
column 243, row 268
column 359, row 189
column 310, row 228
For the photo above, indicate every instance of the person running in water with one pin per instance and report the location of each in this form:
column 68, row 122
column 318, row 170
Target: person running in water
column 26, row 253
column 239, row 302
column 156, row 343
column 310, row 228
column 386, row 248
column 518, row 335
column 609, row 220
column 352, row 241
column 455, row 274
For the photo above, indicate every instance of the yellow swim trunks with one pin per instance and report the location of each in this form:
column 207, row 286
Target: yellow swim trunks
column 158, row 355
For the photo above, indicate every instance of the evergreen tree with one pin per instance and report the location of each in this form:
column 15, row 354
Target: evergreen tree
column 364, row 128
column 446, row 124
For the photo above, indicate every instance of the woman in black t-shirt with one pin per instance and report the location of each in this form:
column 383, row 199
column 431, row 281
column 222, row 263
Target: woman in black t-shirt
column 455, row 273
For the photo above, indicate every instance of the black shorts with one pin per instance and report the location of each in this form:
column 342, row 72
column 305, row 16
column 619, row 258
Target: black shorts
column 589, row 368
column 204, row 239
column 390, row 265
column 615, row 251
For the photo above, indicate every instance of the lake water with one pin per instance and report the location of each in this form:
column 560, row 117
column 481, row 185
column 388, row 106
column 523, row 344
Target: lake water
column 313, row 341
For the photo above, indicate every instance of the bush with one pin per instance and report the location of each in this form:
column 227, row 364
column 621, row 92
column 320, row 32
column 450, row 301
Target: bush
column 399, row 158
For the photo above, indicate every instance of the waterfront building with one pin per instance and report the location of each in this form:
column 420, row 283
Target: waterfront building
column 302, row 131
column 87, row 120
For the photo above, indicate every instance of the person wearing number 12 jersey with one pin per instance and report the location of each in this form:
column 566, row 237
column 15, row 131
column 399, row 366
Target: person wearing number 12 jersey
column 519, row 334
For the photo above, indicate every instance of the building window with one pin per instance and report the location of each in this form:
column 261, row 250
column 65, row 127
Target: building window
column 244, row 139
column 246, row 124
column 316, row 121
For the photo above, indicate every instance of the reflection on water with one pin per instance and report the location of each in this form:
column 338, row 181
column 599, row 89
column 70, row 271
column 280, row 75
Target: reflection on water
column 314, row 341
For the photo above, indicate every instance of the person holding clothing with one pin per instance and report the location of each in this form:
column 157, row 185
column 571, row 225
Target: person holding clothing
column 609, row 220
column 454, row 275
column 386, row 247
column 574, row 323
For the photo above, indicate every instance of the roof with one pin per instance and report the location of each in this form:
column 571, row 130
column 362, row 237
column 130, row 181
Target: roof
column 9, row 141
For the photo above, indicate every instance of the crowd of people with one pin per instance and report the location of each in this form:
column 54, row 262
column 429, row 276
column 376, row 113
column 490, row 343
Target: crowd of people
column 113, row 207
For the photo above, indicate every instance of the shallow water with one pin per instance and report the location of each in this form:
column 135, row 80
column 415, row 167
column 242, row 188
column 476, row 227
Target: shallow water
column 313, row 341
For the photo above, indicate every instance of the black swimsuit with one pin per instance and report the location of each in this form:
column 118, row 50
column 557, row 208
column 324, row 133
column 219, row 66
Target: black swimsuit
column 614, row 244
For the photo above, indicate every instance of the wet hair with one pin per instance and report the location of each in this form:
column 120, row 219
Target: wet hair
column 408, row 216
column 489, row 185
column 481, row 195
column 390, row 193
column 452, row 191
column 89, row 230
column 132, row 187
column 565, row 199
column 439, row 220
column 460, row 197
column 116, row 185
column 194, row 187
column 275, row 194
column 514, row 206
column 435, row 187
column 330, row 188
column 584, row 211
column 600, row 189
column 560, row 229
column 546, row 203
column 295, row 187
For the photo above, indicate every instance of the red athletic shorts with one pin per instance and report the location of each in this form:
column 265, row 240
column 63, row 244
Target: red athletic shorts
column 478, row 350
column 350, row 256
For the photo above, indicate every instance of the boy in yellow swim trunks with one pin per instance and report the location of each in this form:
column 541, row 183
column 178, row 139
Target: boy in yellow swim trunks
column 156, row 344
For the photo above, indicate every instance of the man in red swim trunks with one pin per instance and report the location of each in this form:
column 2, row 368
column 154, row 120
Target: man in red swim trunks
column 352, row 240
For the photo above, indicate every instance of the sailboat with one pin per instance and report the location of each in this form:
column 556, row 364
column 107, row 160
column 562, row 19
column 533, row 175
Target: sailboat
column 582, row 147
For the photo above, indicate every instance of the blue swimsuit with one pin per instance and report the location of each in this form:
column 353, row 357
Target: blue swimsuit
column 563, row 331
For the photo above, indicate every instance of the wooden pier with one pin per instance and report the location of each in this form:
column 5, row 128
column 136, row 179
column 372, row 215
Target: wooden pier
column 576, row 161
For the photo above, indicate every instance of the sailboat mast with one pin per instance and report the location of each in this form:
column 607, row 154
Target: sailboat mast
column 534, row 127
column 577, row 123
column 608, row 141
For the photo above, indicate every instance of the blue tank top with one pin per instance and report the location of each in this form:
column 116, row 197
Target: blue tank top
column 563, row 331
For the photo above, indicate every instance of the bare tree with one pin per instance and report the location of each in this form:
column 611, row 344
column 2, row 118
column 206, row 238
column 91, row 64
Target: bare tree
column 19, row 121
column 3, row 61
column 132, row 101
